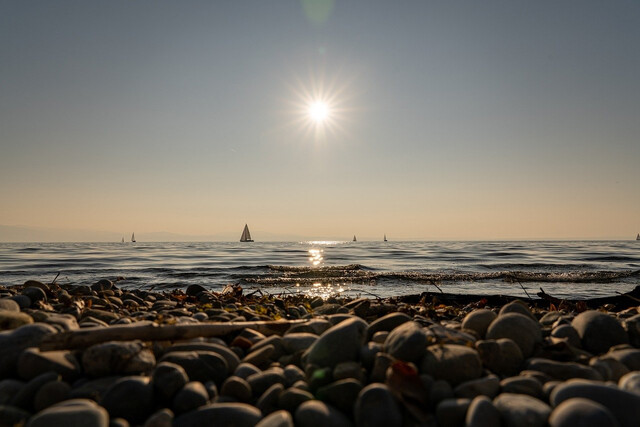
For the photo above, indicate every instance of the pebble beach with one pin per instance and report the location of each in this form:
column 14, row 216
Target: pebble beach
column 99, row 355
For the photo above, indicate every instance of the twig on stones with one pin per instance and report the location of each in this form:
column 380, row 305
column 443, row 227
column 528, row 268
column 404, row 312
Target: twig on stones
column 149, row 331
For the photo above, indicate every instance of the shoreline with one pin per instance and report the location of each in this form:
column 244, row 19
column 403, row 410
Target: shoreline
column 432, row 359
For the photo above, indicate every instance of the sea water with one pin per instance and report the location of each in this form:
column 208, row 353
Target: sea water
column 569, row 269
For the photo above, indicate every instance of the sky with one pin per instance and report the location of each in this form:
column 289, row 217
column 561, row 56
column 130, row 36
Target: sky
column 462, row 120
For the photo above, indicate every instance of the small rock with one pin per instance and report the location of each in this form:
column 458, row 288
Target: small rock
column 10, row 319
column 161, row 418
column 200, row 366
column 517, row 307
column 562, row 370
column 630, row 382
column 75, row 412
column 50, row 394
column 224, row 414
column 522, row 385
column 194, row 290
column 168, row 378
column 502, row 357
column 520, row 410
column 237, row 388
column 245, row 370
column 294, row 342
column 345, row 370
column 292, row 374
column 192, row 396
column 130, row 398
column 262, row 381
column 376, row 406
column 277, row 419
column 486, row 386
column 35, row 294
column 520, row 328
column 25, row 397
column 630, row 357
column 293, row 397
column 598, row 331
column 339, row 343
column 567, row 332
column 451, row 362
column 32, row 362
column 439, row 391
column 407, row 342
column 118, row 357
column 268, row 401
column 9, row 305
column 11, row 416
column 583, row 413
column 102, row 285
column 342, row 394
column 452, row 412
column 387, row 323
column 624, row 405
column 479, row 321
column 260, row 357
column 482, row 413
column 315, row 413
column 8, row 389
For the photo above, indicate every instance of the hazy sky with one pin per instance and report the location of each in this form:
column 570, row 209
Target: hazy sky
column 447, row 119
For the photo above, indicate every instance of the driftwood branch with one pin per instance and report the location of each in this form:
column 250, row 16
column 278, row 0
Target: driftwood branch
column 149, row 331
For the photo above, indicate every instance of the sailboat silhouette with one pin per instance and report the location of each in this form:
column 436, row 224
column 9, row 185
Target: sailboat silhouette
column 246, row 236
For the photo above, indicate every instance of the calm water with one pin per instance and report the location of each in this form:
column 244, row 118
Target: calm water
column 564, row 269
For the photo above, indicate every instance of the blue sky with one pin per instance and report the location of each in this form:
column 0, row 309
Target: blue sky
column 448, row 119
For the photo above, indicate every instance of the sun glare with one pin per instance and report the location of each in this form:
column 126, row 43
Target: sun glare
column 319, row 111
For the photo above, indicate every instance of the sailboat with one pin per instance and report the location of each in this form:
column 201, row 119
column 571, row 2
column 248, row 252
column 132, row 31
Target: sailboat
column 354, row 238
column 385, row 237
column 638, row 236
column 122, row 239
column 133, row 237
column 246, row 236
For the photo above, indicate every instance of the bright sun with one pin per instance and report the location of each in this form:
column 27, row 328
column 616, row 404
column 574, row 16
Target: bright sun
column 319, row 111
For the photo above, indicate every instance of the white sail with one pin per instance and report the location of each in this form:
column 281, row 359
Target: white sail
column 385, row 237
column 122, row 239
column 354, row 238
column 246, row 235
column 638, row 236
column 133, row 237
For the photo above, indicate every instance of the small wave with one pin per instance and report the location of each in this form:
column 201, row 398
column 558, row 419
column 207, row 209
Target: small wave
column 307, row 269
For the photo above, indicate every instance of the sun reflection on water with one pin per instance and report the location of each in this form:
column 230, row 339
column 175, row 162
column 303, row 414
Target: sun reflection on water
column 315, row 256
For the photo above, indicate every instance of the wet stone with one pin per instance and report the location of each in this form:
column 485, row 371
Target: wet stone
column 340, row 343
column 342, row 394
